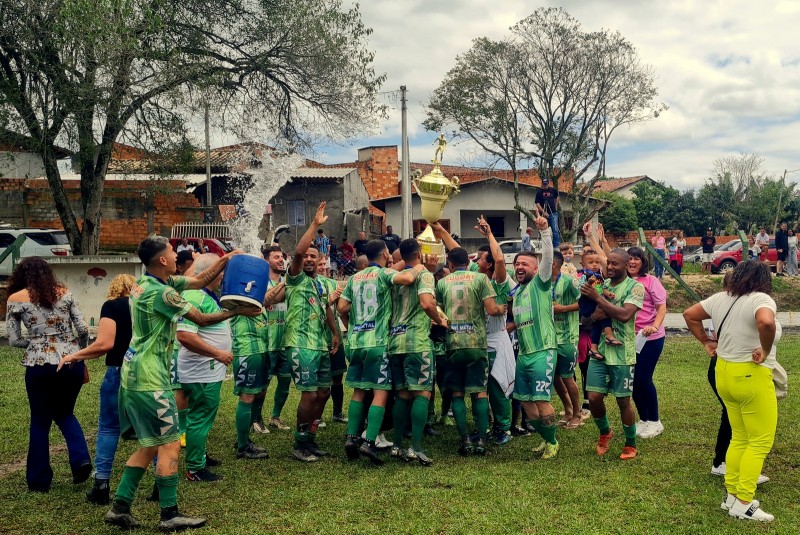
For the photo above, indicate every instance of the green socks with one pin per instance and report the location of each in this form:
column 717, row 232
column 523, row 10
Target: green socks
column 255, row 411
column 460, row 414
column 281, row 395
column 548, row 433
column 182, row 415
column 630, row 434
column 374, row 422
column 244, row 418
column 419, row 417
column 604, row 427
column 481, row 411
column 537, row 426
column 126, row 491
column 400, row 417
column 355, row 415
column 167, row 490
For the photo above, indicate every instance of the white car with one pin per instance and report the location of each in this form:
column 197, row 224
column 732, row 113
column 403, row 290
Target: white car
column 38, row 242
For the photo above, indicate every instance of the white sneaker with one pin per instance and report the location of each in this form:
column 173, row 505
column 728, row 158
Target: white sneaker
column 259, row 427
column 381, row 443
column 727, row 503
column 642, row 427
column 322, row 424
column 653, row 429
column 721, row 471
column 750, row 511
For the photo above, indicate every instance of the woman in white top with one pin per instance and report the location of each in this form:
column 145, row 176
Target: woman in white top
column 747, row 333
column 791, row 261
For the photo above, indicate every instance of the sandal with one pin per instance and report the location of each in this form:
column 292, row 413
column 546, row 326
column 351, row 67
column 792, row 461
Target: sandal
column 574, row 425
column 595, row 355
column 613, row 342
column 562, row 422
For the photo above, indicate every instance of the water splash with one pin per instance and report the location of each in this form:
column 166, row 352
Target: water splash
column 262, row 176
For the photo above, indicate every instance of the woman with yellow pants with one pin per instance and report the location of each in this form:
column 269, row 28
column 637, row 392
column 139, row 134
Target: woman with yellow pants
column 745, row 349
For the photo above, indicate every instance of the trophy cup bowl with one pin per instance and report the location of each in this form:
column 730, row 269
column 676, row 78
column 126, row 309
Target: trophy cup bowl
column 435, row 190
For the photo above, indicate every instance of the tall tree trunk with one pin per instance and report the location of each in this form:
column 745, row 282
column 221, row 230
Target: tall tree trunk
column 60, row 199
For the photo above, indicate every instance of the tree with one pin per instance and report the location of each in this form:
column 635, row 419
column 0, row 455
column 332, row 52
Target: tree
column 620, row 216
column 554, row 97
column 653, row 202
column 85, row 72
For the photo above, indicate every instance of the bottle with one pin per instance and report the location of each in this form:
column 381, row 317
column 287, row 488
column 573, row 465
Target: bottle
column 710, row 331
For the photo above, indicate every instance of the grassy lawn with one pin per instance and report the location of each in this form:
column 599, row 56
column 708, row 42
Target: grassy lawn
column 668, row 489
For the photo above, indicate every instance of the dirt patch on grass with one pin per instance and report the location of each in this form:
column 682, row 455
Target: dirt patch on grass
column 785, row 291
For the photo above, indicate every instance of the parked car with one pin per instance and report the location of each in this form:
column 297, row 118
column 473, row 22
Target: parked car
column 38, row 242
column 694, row 254
column 218, row 247
column 510, row 248
column 724, row 261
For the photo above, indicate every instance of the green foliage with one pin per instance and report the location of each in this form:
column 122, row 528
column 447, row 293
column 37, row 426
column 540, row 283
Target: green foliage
column 620, row 216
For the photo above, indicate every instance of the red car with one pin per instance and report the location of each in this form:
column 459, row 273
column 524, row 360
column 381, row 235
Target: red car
column 725, row 261
column 218, row 247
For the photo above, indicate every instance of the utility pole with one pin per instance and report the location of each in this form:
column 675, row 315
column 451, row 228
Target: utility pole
column 406, row 227
column 208, row 161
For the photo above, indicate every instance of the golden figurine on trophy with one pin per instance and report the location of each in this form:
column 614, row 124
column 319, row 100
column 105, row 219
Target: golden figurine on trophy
column 435, row 190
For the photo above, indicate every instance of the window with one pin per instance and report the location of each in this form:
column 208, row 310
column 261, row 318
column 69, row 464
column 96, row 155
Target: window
column 296, row 213
column 48, row 238
column 6, row 239
column 498, row 225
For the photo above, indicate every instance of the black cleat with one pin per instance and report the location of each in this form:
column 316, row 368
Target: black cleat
column 351, row 447
column 82, row 473
column 519, row 432
column 422, row 459
column 314, row 448
column 466, row 447
column 172, row 520
column 305, row 455
column 480, row 447
column 99, row 494
column 369, row 451
column 120, row 515
column 202, row 476
column 252, row 452
column 430, row 431
column 211, row 462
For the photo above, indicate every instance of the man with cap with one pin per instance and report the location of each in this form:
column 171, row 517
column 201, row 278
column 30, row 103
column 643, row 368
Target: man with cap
column 547, row 202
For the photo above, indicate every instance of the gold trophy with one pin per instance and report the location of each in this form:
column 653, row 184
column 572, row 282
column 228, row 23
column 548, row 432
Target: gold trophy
column 435, row 190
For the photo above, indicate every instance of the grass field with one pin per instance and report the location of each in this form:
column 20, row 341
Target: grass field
column 667, row 489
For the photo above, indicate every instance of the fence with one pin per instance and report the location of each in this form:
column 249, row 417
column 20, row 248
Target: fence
column 218, row 231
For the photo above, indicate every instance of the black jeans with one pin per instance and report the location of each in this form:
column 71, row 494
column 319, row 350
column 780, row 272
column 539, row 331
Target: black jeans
column 52, row 396
column 724, row 434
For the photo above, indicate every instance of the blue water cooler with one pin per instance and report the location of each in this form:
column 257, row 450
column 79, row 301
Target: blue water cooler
column 245, row 281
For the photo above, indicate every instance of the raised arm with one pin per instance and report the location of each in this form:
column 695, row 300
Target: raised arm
column 500, row 272
column 408, row 276
column 276, row 294
column 546, row 264
column 201, row 280
column 588, row 231
column 443, row 235
column 296, row 267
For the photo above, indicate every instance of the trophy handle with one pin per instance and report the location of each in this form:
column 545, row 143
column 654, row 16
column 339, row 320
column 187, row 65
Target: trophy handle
column 416, row 176
column 455, row 189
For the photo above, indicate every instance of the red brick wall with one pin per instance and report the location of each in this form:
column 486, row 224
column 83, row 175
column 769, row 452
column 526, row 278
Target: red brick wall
column 632, row 237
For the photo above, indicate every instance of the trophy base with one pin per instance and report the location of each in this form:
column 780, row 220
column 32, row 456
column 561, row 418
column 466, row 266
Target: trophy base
column 429, row 245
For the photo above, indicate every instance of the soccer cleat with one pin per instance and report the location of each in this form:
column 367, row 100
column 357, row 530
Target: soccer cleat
column 430, row 431
column 721, row 471
column 466, row 447
column 628, row 453
column 202, row 476
column 421, row 458
column 100, row 492
column 480, row 447
column 369, row 451
column 183, row 440
column 277, row 423
column 501, row 438
column 551, row 450
column 120, row 515
column 251, row 451
column 381, row 443
column 351, row 447
column 313, row 447
column 339, row 418
column 518, row 431
column 653, row 430
column 540, row 448
column 749, row 511
column 396, row 453
column 304, row 455
column 727, row 502
column 259, row 427
column 322, row 425
column 603, row 443
column 212, row 462
column 409, row 455
column 176, row 521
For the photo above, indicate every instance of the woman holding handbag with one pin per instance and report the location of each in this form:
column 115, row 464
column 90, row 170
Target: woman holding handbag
column 55, row 328
column 747, row 332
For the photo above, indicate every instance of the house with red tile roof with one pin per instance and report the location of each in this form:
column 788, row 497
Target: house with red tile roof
column 621, row 186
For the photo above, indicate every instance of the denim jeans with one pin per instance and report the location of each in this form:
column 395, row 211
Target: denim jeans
column 51, row 396
column 659, row 269
column 108, row 423
column 553, row 221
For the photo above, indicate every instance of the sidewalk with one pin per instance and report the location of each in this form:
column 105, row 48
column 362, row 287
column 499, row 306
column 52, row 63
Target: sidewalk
column 673, row 322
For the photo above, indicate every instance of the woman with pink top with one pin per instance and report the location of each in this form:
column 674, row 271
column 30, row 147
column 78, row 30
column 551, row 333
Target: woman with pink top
column 660, row 245
column 650, row 322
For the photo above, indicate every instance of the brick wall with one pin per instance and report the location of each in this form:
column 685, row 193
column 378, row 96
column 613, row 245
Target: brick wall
column 632, row 238
column 127, row 206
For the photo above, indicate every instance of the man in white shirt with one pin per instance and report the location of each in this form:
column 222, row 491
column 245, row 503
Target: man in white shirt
column 184, row 246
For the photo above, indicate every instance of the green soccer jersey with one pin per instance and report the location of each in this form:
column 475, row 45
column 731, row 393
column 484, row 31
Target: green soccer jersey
column 305, row 314
column 329, row 286
column 627, row 291
column 498, row 323
column 155, row 308
column 275, row 319
column 566, row 292
column 461, row 295
column 370, row 293
column 410, row 326
column 249, row 335
column 533, row 316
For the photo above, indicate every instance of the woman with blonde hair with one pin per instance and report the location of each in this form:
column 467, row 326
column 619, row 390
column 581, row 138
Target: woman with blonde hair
column 113, row 337
column 50, row 314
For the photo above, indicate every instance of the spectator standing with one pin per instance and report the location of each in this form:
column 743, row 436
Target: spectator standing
column 526, row 239
column 681, row 241
column 51, row 315
column 347, row 250
column 547, row 202
column 782, row 247
column 707, row 242
column 322, row 243
column 791, row 261
column 360, row 244
column 660, row 245
column 392, row 240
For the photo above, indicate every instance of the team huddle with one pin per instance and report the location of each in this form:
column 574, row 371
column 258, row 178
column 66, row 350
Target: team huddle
column 391, row 334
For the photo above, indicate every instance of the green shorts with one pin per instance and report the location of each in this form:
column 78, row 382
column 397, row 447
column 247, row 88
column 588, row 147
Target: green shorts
column 251, row 374
column 279, row 364
column 311, row 368
column 173, row 373
column 566, row 360
column 369, row 369
column 413, row 371
column 151, row 418
column 605, row 379
column 338, row 362
column 533, row 380
column 467, row 371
